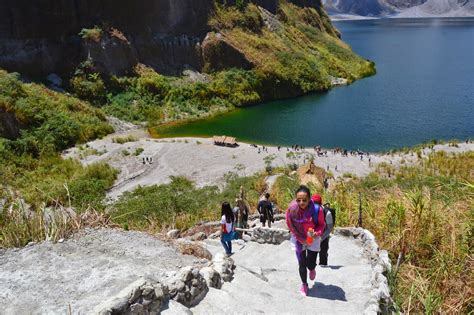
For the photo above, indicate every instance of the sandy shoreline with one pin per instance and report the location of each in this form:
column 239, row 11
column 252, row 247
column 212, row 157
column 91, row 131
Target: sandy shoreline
column 205, row 163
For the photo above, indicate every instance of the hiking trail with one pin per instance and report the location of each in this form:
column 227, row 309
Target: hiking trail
column 100, row 271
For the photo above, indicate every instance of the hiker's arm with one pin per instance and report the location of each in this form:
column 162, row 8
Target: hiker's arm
column 289, row 223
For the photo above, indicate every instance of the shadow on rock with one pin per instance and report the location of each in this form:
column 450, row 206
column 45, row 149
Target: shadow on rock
column 328, row 292
column 332, row 267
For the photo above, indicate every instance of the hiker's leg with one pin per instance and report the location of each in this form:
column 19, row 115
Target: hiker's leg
column 323, row 255
column 302, row 267
column 229, row 245
column 311, row 259
column 224, row 243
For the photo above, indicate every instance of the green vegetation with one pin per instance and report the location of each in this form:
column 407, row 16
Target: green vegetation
column 30, row 165
column 302, row 54
column 52, row 121
column 92, row 34
column 138, row 151
column 180, row 204
column 125, row 139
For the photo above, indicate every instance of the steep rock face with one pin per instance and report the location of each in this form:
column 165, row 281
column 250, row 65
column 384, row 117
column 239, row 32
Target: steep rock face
column 10, row 127
column 219, row 54
column 402, row 8
column 358, row 7
column 307, row 3
column 41, row 36
column 405, row 3
column 35, row 19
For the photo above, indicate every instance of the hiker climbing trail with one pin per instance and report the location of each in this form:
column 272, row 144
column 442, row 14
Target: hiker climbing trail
column 98, row 271
column 266, row 281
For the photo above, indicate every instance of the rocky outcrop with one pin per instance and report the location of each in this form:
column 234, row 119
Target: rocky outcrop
column 220, row 54
column 401, row 8
column 187, row 287
column 274, row 236
column 10, row 127
column 42, row 37
column 380, row 301
column 307, row 3
column 358, row 7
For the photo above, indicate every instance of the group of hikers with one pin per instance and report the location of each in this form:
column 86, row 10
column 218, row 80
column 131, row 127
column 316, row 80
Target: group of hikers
column 308, row 221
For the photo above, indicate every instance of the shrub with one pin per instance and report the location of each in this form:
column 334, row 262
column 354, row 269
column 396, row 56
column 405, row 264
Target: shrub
column 138, row 151
column 124, row 139
column 91, row 34
column 179, row 204
column 52, row 121
column 89, row 87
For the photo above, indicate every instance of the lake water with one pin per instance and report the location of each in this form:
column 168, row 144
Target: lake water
column 423, row 90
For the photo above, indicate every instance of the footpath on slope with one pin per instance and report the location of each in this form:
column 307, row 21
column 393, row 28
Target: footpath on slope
column 106, row 271
column 266, row 280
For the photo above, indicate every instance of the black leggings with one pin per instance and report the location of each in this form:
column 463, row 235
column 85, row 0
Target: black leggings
column 323, row 254
column 307, row 261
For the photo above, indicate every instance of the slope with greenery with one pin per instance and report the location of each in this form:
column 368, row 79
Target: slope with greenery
column 30, row 165
column 297, row 51
column 423, row 215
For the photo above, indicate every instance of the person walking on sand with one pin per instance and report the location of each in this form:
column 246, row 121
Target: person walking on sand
column 227, row 227
column 306, row 225
column 329, row 222
column 265, row 210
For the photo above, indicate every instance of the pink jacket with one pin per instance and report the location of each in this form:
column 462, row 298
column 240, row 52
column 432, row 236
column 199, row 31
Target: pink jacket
column 299, row 221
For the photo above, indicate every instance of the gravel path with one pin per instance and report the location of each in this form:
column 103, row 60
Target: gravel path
column 205, row 163
column 81, row 272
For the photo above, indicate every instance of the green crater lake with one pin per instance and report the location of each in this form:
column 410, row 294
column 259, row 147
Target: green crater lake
column 423, row 90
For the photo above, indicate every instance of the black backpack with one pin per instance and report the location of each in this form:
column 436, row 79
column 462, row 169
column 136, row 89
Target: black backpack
column 327, row 207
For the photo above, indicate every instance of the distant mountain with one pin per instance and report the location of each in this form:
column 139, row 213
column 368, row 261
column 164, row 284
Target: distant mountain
column 400, row 8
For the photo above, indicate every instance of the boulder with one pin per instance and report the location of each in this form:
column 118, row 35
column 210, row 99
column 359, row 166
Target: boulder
column 173, row 234
column 224, row 266
column 263, row 235
column 219, row 54
column 212, row 277
column 199, row 236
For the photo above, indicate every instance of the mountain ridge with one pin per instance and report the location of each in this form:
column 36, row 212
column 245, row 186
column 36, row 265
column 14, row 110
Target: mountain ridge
column 400, row 8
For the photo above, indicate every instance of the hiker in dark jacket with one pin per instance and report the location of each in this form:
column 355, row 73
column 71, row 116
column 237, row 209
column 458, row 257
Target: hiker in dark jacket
column 323, row 254
column 265, row 210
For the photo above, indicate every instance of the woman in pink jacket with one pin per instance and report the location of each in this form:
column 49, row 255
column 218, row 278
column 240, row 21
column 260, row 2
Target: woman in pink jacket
column 306, row 224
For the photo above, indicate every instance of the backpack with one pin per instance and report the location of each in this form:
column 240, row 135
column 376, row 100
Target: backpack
column 327, row 207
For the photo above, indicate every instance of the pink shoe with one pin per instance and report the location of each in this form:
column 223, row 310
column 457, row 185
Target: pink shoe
column 304, row 289
column 312, row 274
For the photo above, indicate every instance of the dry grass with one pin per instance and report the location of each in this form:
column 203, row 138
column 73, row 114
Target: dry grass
column 424, row 214
column 21, row 225
column 124, row 139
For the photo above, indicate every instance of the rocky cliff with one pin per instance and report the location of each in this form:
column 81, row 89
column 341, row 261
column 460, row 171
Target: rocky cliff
column 42, row 37
column 401, row 8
